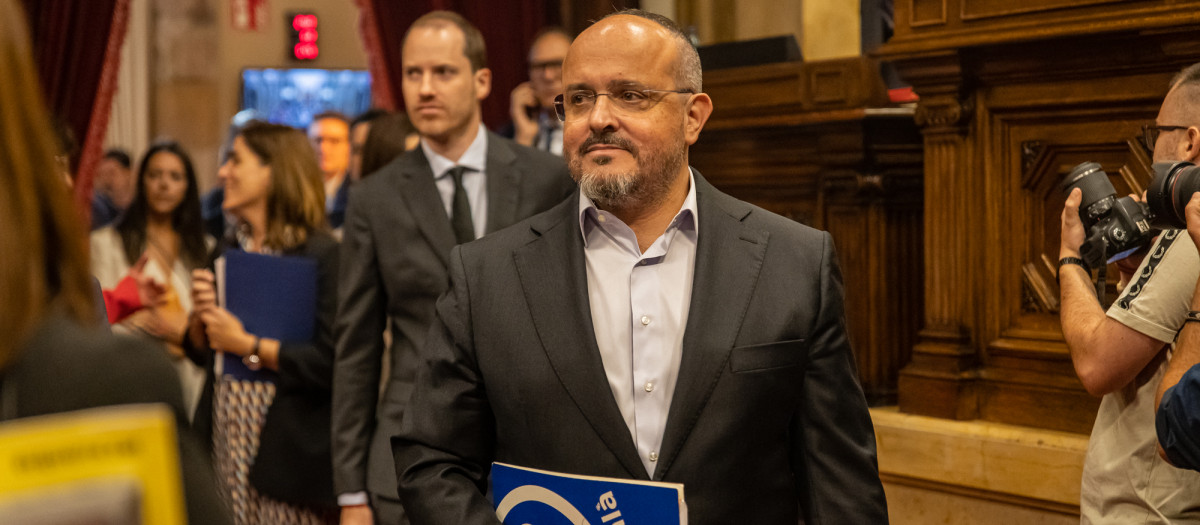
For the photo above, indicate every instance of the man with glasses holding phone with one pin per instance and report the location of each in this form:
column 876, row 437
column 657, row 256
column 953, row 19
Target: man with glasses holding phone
column 532, row 103
column 1121, row 354
column 650, row 327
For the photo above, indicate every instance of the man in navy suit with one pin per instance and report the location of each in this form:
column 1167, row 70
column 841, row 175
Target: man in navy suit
column 329, row 133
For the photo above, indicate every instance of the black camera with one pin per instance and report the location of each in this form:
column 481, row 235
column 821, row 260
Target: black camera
column 1173, row 186
column 1115, row 227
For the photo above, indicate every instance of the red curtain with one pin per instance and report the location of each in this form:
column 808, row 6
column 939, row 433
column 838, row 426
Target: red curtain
column 508, row 29
column 77, row 49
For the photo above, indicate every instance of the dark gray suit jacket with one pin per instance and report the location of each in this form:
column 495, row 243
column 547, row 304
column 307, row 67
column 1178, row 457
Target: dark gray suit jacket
column 768, row 422
column 395, row 247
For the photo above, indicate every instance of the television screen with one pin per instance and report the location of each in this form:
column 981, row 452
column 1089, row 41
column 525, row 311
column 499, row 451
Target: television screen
column 293, row 96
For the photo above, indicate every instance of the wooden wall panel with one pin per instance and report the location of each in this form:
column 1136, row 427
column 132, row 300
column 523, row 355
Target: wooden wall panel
column 925, row 25
column 982, row 9
column 801, row 140
column 1007, row 109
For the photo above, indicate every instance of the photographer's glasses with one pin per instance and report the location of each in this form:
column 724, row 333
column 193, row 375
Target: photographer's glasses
column 579, row 103
column 1150, row 134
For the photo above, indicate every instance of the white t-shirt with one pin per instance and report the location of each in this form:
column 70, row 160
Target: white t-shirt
column 1124, row 480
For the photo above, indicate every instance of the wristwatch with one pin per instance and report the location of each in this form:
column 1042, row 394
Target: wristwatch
column 252, row 360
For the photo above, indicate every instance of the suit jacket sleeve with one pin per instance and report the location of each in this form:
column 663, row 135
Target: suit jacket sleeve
column 446, row 442
column 833, row 448
column 358, row 361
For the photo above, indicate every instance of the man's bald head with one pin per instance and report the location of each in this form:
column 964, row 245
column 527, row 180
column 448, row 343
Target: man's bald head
column 689, row 75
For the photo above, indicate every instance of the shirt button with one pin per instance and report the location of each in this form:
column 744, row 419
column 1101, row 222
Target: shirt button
column 600, row 217
column 649, row 386
column 654, row 456
column 645, row 320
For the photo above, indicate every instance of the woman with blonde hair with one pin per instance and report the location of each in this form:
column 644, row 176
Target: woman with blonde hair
column 270, row 428
column 52, row 357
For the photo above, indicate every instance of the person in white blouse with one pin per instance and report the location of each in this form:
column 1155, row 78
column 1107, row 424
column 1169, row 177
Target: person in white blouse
column 164, row 224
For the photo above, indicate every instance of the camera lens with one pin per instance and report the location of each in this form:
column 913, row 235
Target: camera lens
column 1097, row 190
column 1173, row 186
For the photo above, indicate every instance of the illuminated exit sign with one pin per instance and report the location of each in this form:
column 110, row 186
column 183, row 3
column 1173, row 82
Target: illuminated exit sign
column 304, row 36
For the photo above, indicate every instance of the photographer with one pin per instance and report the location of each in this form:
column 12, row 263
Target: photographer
column 1122, row 354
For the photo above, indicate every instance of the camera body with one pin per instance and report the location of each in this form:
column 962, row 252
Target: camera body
column 1115, row 226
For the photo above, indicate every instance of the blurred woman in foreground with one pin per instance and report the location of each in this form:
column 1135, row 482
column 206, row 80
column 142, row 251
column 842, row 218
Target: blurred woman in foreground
column 49, row 362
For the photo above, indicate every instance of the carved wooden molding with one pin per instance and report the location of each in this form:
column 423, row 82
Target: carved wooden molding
column 945, row 114
column 1037, row 293
column 1032, row 151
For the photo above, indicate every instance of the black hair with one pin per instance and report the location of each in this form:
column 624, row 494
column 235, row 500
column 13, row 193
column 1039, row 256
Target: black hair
column 119, row 155
column 186, row 219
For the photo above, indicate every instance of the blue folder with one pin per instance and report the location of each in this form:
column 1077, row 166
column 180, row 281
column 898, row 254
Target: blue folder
column 538, row 497
column 274, row 296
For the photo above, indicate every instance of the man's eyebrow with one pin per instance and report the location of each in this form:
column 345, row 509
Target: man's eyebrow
column 619, row 83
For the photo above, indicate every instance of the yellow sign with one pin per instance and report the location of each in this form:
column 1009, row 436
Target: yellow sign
column 103, row 462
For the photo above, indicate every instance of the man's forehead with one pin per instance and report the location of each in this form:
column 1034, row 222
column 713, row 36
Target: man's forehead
column 550, row 45
column 434, row 40
column 604, row 64
column 328, row 126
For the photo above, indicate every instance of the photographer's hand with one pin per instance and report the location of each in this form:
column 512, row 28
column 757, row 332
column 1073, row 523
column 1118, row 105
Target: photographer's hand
column 1192, row 213
column 1072, row 228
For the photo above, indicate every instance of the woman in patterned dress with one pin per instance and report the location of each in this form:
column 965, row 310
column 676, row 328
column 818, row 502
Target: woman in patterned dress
column 270, row 429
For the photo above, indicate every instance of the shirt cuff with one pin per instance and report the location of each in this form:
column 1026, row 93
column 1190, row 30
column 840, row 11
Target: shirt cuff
column 351, row 499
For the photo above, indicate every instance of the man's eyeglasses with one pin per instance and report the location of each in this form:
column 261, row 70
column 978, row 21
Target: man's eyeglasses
column 579, row 103
column 548, row 65
column 1150, row 134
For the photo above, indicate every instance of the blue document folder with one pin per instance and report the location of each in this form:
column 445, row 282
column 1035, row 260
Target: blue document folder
column 275, row 297
column 539, row 497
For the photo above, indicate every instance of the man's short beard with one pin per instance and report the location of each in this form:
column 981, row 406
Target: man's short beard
column 647, row 187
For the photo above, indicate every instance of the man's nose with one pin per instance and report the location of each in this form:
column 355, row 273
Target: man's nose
column 602, row 115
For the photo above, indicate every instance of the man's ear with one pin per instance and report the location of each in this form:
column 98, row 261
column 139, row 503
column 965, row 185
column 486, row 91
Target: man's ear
column 1191, row 148
column 700, row 107
column 483, row 83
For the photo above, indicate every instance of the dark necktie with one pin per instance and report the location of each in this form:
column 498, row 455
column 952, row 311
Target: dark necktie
column 460, row 212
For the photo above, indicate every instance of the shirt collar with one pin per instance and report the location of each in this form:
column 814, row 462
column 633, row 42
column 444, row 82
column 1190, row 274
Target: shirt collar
column 685, row 219
column 474, row 158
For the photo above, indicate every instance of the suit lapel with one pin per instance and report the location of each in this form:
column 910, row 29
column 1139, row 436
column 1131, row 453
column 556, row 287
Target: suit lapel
column 420, row 193
column 729, row 257
column 503, row 183
column 553, row 276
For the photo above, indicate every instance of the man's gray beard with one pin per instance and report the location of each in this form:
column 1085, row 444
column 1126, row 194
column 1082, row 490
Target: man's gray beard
column 647, row 187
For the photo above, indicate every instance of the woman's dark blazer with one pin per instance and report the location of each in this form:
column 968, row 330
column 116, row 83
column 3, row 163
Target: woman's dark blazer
column 64, row 367
column 293, row 462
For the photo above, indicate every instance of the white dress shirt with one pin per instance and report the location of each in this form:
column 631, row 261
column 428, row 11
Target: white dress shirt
column 639, row 304
column 474, row 179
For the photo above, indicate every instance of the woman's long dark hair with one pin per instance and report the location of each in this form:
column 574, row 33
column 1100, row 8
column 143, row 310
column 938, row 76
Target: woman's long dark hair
column 185, row 219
